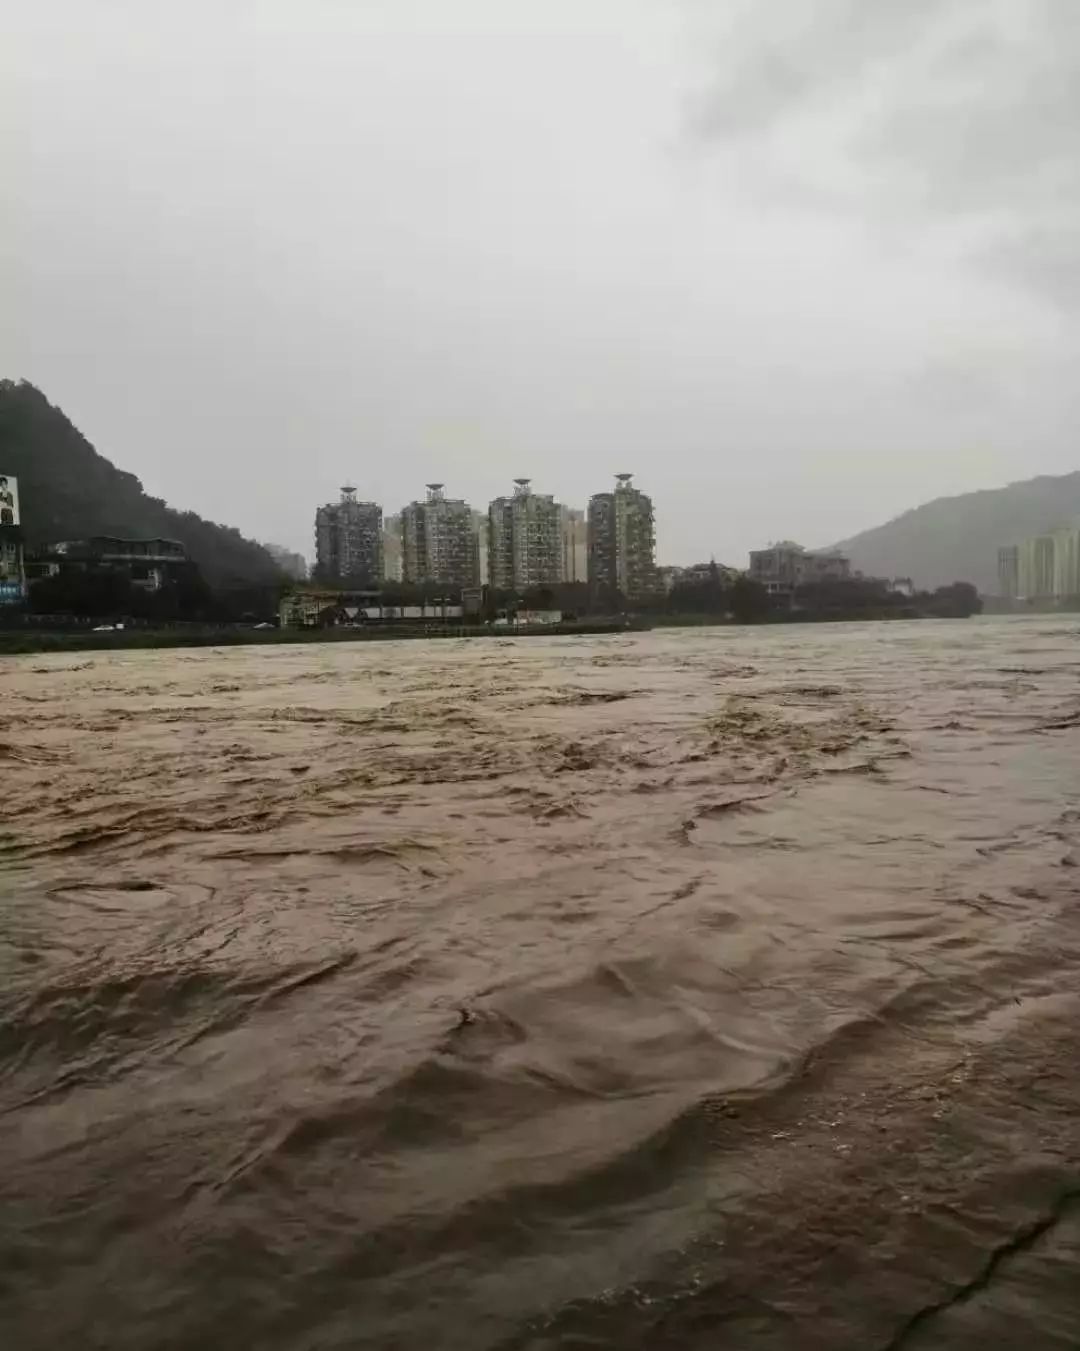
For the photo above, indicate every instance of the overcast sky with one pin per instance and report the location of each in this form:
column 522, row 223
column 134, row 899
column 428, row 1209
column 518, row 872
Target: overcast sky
column 799, row 264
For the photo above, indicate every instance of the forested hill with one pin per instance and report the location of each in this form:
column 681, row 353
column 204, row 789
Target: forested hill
column 956, row 539
column 68, row 491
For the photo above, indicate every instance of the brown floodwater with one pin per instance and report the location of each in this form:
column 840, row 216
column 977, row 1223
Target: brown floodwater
column 694, row 989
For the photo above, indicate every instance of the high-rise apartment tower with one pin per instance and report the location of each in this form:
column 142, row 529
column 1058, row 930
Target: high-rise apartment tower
column 622, row 564
column 348, row 541
column 524, row 540
column 438, row 541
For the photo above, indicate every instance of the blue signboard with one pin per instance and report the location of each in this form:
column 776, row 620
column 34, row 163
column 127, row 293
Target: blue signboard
column 11, row 593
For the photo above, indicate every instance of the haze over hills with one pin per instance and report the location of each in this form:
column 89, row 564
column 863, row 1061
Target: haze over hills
column 68, row 491
column 957, row 538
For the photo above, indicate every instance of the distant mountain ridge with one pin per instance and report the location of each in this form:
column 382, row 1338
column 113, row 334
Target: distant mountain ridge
column 956, row 539
column 68, row 491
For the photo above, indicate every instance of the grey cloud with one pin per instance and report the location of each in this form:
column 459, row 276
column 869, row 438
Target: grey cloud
column 774, row 60
column 260, row 250
column 944, row 112
column 1045, row 260
column 975, row 141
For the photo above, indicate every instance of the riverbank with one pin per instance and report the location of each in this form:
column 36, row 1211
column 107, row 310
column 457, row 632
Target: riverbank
column 23, row 641
column 15, row 642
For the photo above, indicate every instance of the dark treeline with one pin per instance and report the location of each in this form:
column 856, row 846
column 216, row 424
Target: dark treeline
column 860, row 598
column 746, row 601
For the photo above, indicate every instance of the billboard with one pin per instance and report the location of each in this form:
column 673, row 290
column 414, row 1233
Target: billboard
column 9, row 500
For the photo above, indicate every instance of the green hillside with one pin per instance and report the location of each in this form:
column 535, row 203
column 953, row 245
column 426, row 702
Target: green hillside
column 68, row 491
column 957, row 538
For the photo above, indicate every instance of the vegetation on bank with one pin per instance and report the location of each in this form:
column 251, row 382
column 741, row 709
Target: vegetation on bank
column 714, row 600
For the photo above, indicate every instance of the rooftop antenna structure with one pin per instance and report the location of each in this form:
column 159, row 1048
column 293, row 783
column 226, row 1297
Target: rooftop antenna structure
column 435, row 492
column 623, row 480
column 348, row 492
column 521, row 486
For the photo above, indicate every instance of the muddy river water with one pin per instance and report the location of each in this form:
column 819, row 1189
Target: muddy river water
column 696, row 989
